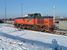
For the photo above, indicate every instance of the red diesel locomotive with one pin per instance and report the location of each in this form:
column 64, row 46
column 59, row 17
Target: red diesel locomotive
column 35, row 22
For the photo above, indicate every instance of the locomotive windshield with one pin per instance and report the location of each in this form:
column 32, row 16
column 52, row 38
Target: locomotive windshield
column 35, row 15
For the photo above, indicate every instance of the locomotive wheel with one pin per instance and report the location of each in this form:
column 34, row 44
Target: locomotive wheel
column 28, row 27
column 23, row 27
column 33, row 28
column 43, row 29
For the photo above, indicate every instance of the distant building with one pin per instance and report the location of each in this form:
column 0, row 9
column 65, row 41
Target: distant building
column 61, row 23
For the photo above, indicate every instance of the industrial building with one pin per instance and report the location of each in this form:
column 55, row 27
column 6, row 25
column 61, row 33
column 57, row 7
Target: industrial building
column 61, row 24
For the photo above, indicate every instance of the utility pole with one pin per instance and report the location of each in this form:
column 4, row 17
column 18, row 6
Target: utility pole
column 5, row 9
column 21, row 9
column 54, row 14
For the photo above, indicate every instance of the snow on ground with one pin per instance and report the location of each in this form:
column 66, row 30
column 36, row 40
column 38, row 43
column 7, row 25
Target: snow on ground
column 6, row 25
column 10, row 45
column 45, row 38
column 7, row 29
column 42, row 37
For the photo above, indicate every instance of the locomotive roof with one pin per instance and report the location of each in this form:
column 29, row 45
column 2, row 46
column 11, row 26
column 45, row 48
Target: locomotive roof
column 36, row 17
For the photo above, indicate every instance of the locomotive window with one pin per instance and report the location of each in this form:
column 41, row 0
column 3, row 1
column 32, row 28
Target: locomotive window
column 30, row 15
column 36, row 15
